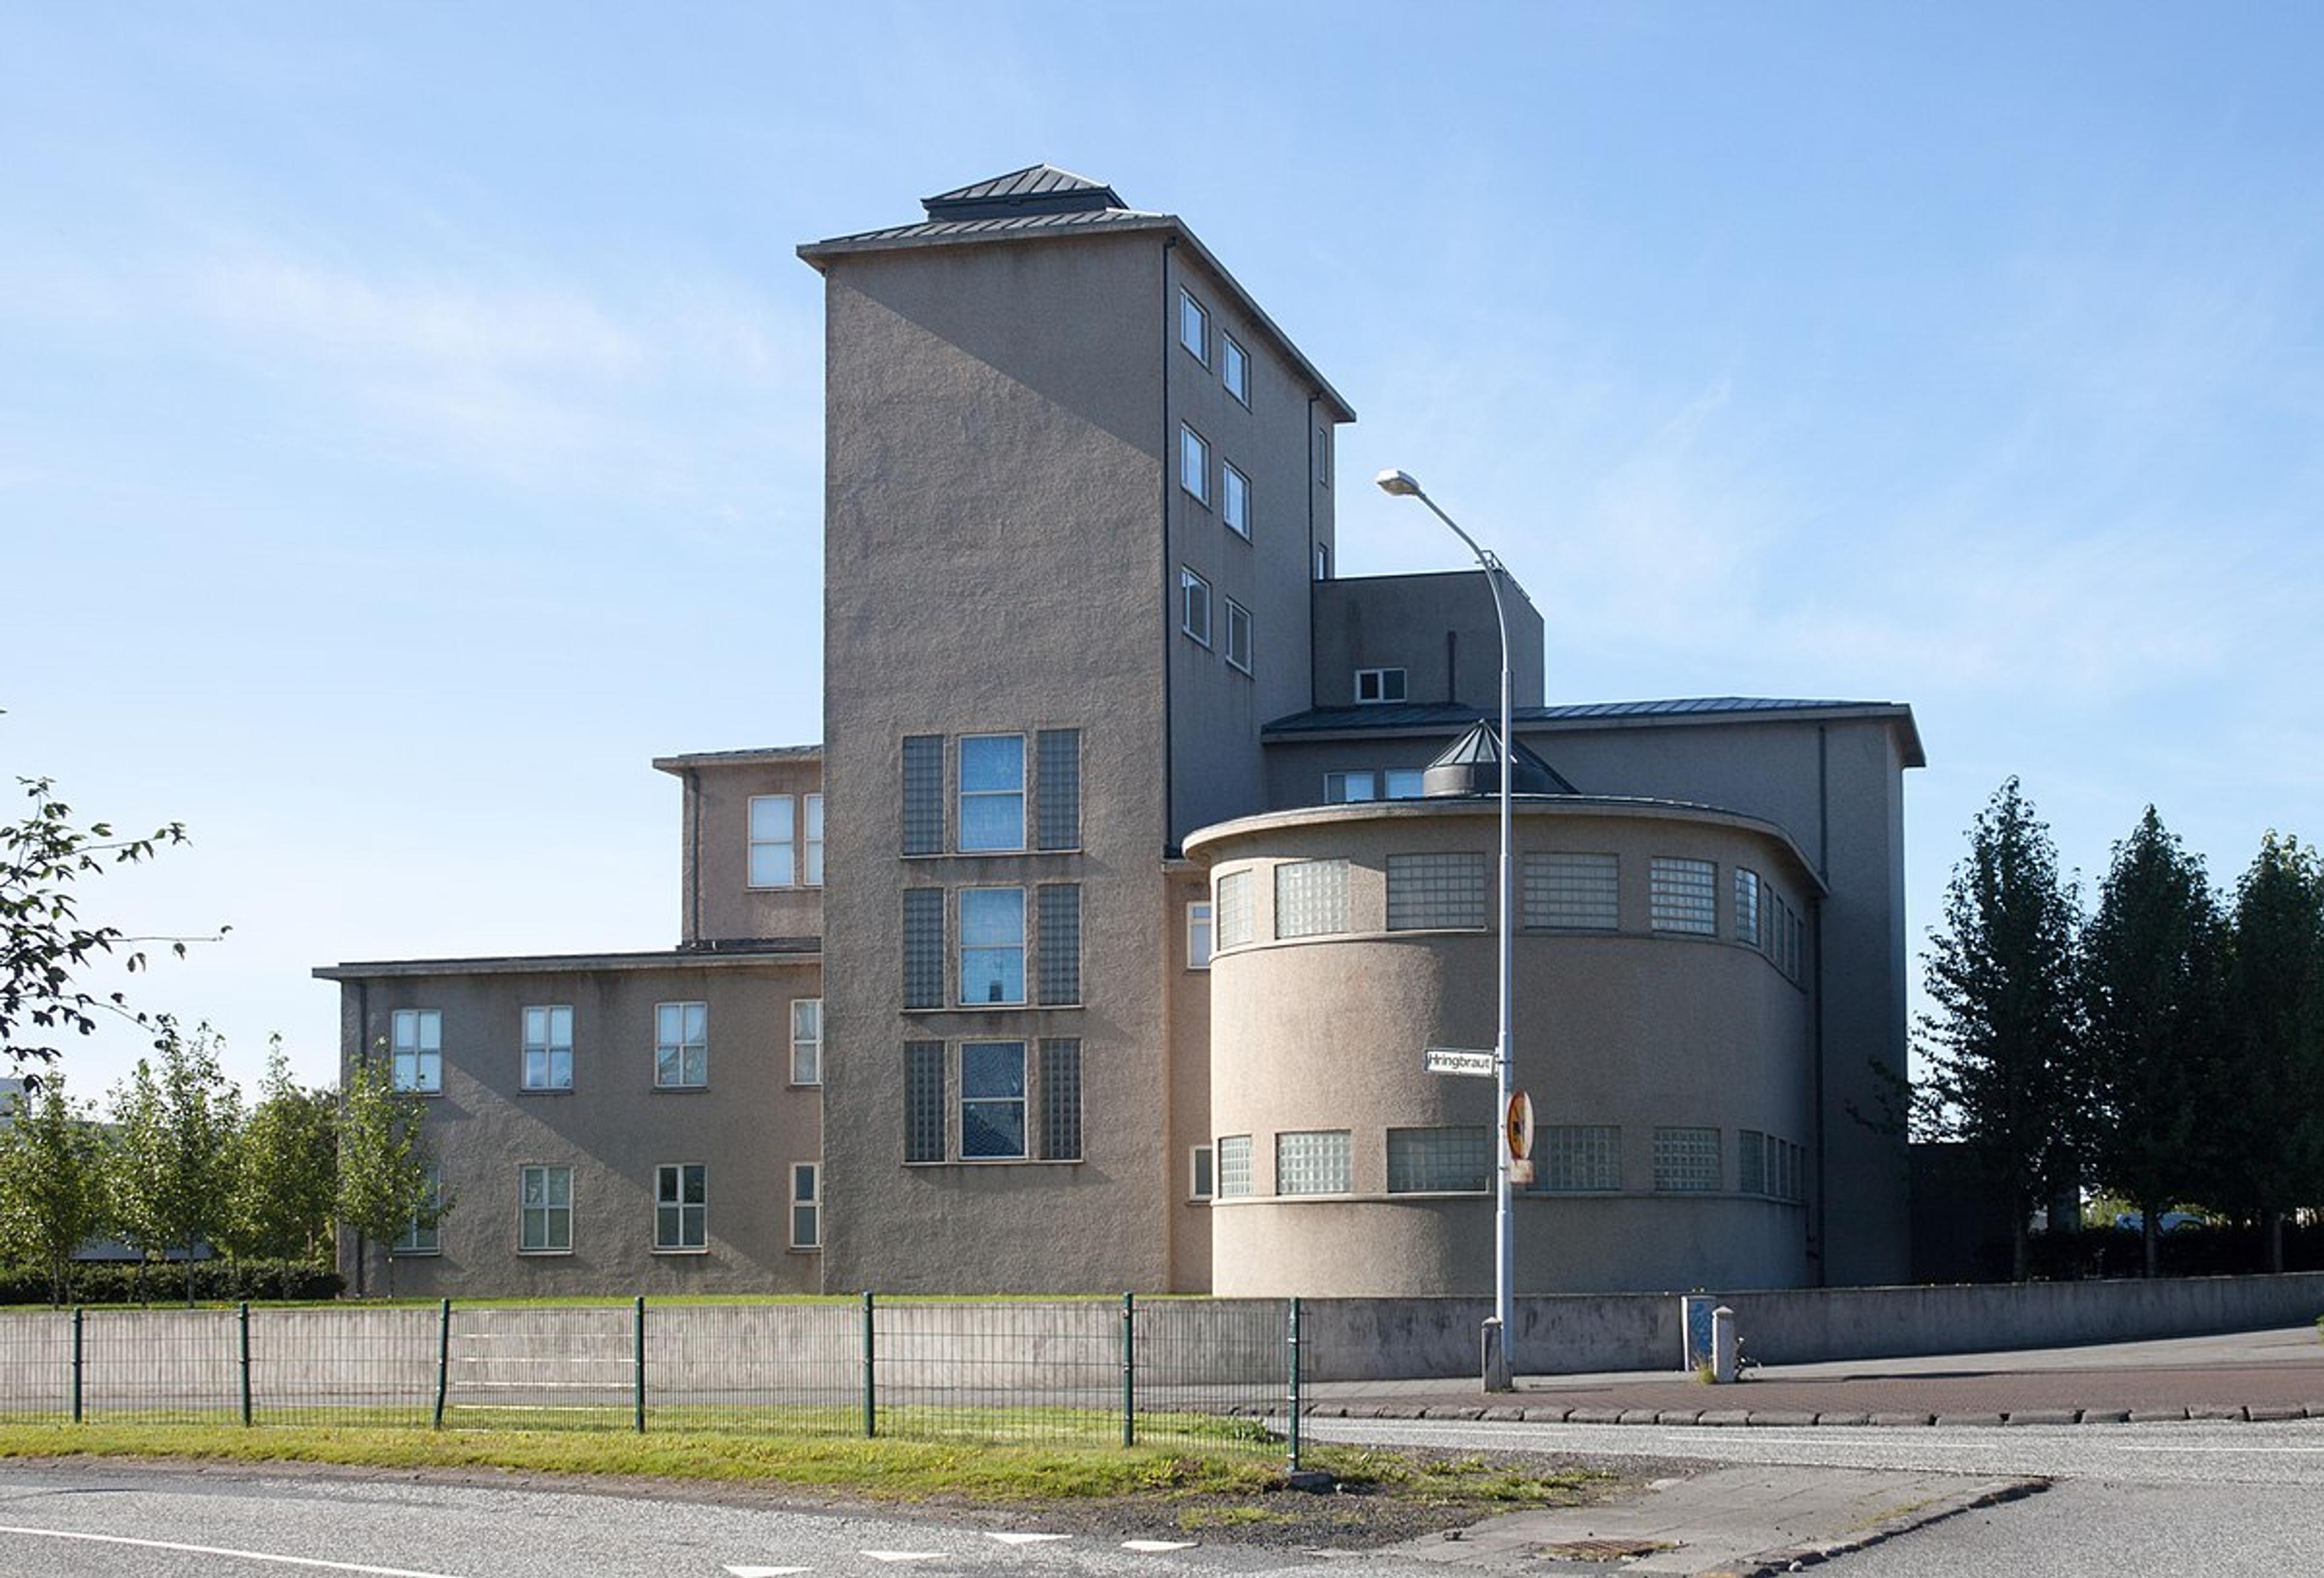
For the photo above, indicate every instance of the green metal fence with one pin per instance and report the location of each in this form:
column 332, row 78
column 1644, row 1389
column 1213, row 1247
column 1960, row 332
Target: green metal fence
column 1204, row 1374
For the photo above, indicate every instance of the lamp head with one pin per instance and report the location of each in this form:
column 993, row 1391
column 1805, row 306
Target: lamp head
column 1400, row 483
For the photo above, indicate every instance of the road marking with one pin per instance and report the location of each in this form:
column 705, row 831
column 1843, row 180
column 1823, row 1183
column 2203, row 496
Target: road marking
column 2193, row 1447
column 1154, row 1546
column 902, row 1555
column 767, row 1571
column 1024, row 1539
column 164, row 1544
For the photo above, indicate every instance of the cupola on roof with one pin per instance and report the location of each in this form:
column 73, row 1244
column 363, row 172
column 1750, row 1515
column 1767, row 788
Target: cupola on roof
column 1038, row 188
column 1471, row 765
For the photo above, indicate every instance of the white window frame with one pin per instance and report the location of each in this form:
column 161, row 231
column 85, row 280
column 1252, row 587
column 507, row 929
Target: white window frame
column 771, row 823
column 550, row 1211
column 811, row 875
column 1021, row 1102
column 1201, row 939
column 1234, row 368
column 967, row 948
column 1202, row 1173
column 807, row 1040
column 1193, row 589
column 1235, row 499
column 806, row 1195
column 416, row 1239
column 1381, row 681
column 547, row 1047
column 416, row 1050
column 1238, row 636
column 692, row 1218
column 987, row 797
column 1241, row 1151
column 1194, row 462
column 1342, row 788
column 1322, row 455
column 1193, row 315
column 1313, row 1162
column 685, row 1057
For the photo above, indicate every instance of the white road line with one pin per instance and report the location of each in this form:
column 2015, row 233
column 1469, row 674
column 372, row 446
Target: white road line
column 1153, row 1546
column 164, row 1544
column 2193, row 1449
column 1023, row 1539
column 901, row 1556
column 766, row 1572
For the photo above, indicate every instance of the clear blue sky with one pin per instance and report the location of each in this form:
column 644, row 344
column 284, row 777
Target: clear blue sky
column 410, row 415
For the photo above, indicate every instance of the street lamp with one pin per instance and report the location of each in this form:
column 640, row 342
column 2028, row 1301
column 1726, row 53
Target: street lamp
column 1497, row 1365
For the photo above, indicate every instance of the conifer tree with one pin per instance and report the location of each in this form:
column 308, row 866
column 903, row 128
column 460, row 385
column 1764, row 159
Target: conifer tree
column 2269, row 1108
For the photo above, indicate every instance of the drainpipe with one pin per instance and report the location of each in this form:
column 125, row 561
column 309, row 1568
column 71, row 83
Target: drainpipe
column 1314, row 587
column 1169, row 585
column 1815, row 911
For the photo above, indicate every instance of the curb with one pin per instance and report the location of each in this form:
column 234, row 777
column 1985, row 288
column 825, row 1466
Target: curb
column 1792, row 1418
column 1800, row 1556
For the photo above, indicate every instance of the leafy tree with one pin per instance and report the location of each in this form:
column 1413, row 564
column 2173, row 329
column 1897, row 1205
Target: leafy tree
column 285, row 1169
column 175, row 1128
column 2269, row 1106
column 52, row 1193
column 45, row 943
column 386, row 1184
column 2002, row 1043
column 2151, row 965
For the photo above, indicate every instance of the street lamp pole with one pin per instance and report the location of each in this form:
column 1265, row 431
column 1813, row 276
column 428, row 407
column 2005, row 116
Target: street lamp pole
column 1498, row 1368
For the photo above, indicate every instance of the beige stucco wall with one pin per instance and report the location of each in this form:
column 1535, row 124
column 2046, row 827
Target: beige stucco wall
column 718, row 902
column 1634, row 1028
column 613, row 1128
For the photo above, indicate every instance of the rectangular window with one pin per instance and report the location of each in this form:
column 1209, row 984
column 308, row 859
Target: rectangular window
column 1349, row 788
column 417, row 1048
column 1194, row 327
column 1234, row 1166
column 1435, row 892
column 1751, row 1162
column 924, row 828
column 544, row 1210
column 681, row 1044
column 1234, row 909
column 992, row 792
column 1682, row 896
column 991, row 945
column 1403, row 783
column 1313, row 1161
column 681, row 1207
column 1060, row 1100
column 1195, row 463
column 1234, row 368
column 1746, row 907
column 924, row 948
column 924, row 1101
column 806, row 1205
column 1198, row 935
column 1577, row 1156
column 1323, row 561
column 993, row 1101
column 1235, row 499
column 1686, row 1160
column 773, row 834
column 423, row 1235
column 1201, row 1178
column 1238, row 636
column 1194, row 606
column 807, row 1040
column 1058, row 942
column 1322, row 455
column 1058, row 789
column 1454, row 1160
column 1379, row 684
column 814, row 878
column 1573, row 893
column 1311, row 898
column 548, row 1049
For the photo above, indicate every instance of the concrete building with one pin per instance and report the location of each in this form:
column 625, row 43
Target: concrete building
column 1054, row 416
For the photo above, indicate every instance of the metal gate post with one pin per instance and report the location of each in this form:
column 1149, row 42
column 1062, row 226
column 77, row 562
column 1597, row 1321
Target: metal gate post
column 443, row 1359
column 1129, row 1369
column 871, row 1379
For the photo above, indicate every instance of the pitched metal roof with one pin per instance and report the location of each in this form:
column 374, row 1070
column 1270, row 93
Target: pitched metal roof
column 1036, row 188
column 1422, row 716
column 1476, row 757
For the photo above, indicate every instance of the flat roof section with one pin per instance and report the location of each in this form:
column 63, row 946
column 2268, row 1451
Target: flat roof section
column 744, row 953
column 1436, row 717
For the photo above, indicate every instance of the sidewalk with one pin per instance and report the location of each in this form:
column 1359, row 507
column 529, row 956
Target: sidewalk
column 2257, row 1375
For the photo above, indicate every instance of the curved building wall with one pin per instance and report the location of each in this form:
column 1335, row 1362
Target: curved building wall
column 1670, row 1070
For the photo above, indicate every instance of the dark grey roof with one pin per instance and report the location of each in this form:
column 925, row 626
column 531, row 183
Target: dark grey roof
column 759, row 756
column 724, row 953
column 1014, row 222
column 1420, row 716
column 1038, row 188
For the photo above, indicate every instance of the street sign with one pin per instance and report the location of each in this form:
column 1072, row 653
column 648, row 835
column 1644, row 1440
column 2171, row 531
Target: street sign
column 1520, row 1126
column 1478, row 1061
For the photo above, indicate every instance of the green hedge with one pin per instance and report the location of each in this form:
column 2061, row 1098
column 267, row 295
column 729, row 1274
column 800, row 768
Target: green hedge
column 214, row 1282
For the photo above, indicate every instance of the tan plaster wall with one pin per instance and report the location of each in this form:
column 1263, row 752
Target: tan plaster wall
column 720, row 902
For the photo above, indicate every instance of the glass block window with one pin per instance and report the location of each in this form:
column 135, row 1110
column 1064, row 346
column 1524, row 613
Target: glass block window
column 1058, row 938
column 1198, row 935
column 1202, row 1174
column 1572, row 892
column 1682, row 896
column 806, row 1205
column 1238, row 635
column 1194, row 327
column 416, row 1050
column 807, row 1040
column 991, row 945
column 1195, row 463
column 1311, row 898
column 1379, row 684
column 682, row 1206
column 993, row 1101
column 774, row 848
column 1058, row 789
column 1235, row 498
column 924, row 796
column 422, row 1236
column 1234, row 369
column 1686, row 1160
column 549, row 1047
column 924, row 1101
column 1435, row 892
column 544, row 1210
column 813, row 875
column 681, row 1044
column 1234, row 1166
column 1234, row 909
column 1194, row 605
column 992, row 792
column 924, row 948
column 1456, row 1160
column 1746, row 907
column 1313, row 1161
column 1751, row 1163
column 1060, row 1100
column 1577, row 1156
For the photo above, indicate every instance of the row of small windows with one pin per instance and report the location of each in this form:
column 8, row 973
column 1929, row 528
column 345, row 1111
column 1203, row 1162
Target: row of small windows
column 681, row 1047
column 546, row 1210
column 1195, row 334
column 990, row 799
column 1458, row 1158
column 786, row 834
column 1362, row 784
column 1195, row 477
column 990, row 959
column 1194, row 618
column 993, row 1101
